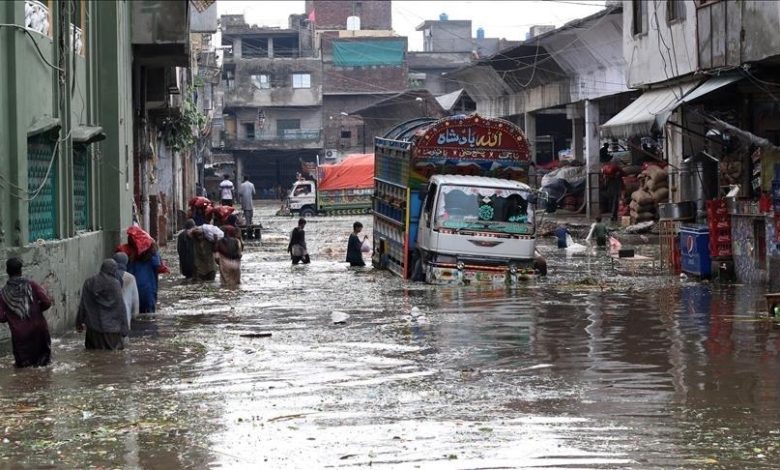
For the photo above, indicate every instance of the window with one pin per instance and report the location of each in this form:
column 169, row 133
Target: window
column 639, row 16
column 288, row 127
column 262, row 81
column 302, row 190
column 249, row 130
column 301, row 80
column 229, row 77
column 42, row 183
column 429, row 203
column 82, row 169
column 492, row 209
column 675, row 10
column 346, row 134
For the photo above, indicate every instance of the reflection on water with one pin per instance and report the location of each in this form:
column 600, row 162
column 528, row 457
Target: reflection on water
column 621, row 372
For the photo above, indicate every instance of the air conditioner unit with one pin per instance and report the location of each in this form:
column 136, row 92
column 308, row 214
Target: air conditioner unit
column 332, row 155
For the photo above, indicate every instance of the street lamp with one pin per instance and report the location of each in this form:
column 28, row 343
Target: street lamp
column 363, row 131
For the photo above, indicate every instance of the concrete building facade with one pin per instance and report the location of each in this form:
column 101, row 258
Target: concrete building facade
column 272, row 86
column 66, row 186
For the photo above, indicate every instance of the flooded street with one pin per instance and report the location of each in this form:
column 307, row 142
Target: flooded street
column 584, row 369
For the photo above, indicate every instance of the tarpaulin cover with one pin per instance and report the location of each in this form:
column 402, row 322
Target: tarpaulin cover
column 140, row 239
column 366, row 53
column 221, row 213
column 356, row 171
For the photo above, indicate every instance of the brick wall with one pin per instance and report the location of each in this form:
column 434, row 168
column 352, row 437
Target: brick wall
column 332, row 14
column 363, row 79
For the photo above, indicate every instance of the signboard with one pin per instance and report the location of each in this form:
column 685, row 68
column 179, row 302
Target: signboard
column 469, row 145
column 473, row 138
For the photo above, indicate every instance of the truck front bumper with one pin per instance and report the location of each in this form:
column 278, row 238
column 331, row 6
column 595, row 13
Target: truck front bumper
column 465, row 274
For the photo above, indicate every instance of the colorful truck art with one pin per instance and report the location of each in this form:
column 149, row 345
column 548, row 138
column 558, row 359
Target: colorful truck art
column 408, row 156
column 470, row 146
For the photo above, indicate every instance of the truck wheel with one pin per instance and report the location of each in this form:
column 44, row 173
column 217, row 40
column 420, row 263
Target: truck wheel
column 307, row 212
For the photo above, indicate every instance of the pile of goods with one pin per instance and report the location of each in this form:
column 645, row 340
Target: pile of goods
column 653, row 189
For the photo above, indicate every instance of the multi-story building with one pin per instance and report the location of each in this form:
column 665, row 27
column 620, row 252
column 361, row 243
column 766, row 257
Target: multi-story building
column 363, row 63
column 271, row 100
column 66, row 140
column 447, row 46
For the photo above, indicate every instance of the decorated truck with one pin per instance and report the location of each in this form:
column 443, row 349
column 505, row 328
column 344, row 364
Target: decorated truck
column 339, row 189
column 451, row 204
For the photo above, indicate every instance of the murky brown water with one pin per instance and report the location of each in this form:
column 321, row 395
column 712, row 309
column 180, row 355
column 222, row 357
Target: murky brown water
column 619, row 372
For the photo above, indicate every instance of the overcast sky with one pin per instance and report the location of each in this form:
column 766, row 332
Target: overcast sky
column 507, row 19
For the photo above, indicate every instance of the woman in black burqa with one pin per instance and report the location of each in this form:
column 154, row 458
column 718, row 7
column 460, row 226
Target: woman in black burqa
column 102, row 310
column 297, row 245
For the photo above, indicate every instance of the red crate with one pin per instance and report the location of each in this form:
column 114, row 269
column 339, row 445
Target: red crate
column 719, row 224
column 720, row 249
column 716, row 204
column 718, row 214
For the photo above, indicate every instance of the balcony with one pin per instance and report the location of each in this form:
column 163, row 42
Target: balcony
column 286, row 139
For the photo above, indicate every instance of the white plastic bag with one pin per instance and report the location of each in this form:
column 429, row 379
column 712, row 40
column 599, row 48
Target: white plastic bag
column 365, row 247
column 569, row 240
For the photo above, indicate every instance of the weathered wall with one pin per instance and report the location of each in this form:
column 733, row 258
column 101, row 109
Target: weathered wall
column 449, row 36
column 332, row 14
column 281, row 93
column 363, row 79
column 648, row 62
column 159, row 22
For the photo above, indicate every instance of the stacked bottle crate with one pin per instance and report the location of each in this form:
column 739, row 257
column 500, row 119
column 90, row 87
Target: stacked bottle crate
column 719, row 222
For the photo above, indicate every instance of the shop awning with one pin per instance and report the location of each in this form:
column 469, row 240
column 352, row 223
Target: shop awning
column 709, row 86
column 647, row 113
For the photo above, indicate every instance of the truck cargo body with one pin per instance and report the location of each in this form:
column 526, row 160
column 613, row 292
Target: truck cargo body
column 340, row 189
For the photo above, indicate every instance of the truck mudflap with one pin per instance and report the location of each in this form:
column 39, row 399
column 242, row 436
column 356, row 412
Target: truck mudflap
column 465, row 274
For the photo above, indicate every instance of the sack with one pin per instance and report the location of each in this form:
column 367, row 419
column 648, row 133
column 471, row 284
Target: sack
column 661, row 195
column 569, row 240
column 642, row 197
column 365, row 247
column 298, row 251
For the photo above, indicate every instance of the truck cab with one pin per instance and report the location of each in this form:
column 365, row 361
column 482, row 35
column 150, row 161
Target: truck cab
column 302, row 198
column 474, row 228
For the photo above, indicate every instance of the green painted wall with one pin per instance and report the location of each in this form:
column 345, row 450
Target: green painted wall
column 101, row 96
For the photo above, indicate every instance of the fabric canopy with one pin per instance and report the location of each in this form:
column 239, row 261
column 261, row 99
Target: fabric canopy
column 647, row 113
column 709, row 86
column 356, row 171
column 367, row 53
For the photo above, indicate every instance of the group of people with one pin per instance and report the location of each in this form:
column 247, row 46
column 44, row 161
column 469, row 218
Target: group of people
column 205, row 249
column 355, row 247
column 246, row 193
column 109, row 301
column 126, row 285
column 598, row 231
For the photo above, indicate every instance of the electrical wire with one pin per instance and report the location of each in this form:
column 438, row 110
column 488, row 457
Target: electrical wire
column 29, row 32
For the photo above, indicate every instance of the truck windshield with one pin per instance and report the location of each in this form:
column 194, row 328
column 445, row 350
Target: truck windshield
column 485, row 209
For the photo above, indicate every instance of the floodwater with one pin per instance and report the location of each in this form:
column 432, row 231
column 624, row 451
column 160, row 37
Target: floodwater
column 597, row 366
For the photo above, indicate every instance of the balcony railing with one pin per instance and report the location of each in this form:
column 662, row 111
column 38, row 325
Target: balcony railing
column 282, row 139
column 294, row 134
